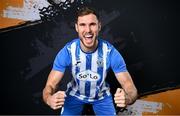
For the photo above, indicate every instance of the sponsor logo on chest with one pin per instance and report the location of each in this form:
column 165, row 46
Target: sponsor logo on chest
column 88, row 75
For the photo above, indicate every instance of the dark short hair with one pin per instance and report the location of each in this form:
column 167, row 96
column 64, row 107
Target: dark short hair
column 85, row 11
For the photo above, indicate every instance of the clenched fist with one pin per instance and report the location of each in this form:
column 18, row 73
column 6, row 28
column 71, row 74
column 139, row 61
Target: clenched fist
column 56, row 100
column 120, row 98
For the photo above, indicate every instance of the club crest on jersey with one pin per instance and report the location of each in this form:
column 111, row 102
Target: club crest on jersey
column 100, row 62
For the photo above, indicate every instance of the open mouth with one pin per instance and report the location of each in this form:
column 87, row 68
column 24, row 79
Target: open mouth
column 88, row 38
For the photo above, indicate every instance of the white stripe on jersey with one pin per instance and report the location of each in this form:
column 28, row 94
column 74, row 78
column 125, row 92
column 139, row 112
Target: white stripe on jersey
column 94, row 68
column 105, row 49
column 82, row 68
column 73, row 50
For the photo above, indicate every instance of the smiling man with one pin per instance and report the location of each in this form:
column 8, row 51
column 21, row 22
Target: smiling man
column 88, row 58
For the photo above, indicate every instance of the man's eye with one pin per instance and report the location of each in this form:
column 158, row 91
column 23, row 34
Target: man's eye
column 93, row 24
column 81, row 24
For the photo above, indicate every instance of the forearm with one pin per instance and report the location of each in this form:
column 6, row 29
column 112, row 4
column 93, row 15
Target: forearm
column 51, row 85
column 127, row 84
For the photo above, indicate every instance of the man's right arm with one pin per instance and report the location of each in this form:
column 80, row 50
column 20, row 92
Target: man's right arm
column 54, row 100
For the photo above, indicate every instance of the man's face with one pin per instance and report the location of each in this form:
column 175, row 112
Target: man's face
column 88, row 28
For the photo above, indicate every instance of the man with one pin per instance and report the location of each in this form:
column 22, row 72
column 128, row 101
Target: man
column 88, row 58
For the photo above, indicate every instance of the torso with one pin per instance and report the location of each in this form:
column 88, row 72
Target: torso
column 89, row 72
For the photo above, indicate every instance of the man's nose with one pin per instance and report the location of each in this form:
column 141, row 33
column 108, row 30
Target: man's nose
column 88, row 28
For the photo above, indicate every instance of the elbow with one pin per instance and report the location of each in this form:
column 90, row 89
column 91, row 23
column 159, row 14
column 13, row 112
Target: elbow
column 135, row 96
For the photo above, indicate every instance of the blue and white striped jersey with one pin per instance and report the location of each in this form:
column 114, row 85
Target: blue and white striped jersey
column 89, row 70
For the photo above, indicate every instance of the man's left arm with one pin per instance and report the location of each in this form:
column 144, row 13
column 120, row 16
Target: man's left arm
column 128, row 94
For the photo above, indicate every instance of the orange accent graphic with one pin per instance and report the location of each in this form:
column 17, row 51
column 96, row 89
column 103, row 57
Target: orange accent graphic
column 170, row 100
column 7, row 22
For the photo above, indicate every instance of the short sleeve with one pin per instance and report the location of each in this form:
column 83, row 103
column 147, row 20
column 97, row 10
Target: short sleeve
column 62, row 60
column 117, row 62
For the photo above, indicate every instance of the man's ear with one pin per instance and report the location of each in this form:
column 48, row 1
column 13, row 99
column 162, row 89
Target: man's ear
column 99, row 26
column 76, row 27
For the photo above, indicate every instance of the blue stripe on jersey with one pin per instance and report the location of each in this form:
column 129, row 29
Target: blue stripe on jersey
column 100, row 59
column 88, row 61
column 88, row 66
column 94, row 68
